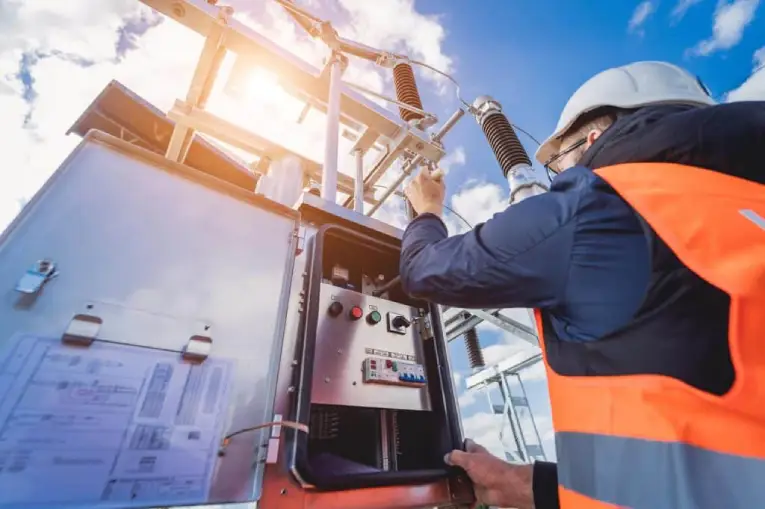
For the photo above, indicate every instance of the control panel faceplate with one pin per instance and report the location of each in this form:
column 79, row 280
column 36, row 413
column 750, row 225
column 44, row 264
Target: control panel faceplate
column 360, row 339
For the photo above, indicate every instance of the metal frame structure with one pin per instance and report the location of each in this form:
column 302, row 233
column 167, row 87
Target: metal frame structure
column 373, row 127
column 498, row 375
column 323, row 90
column 458, row 321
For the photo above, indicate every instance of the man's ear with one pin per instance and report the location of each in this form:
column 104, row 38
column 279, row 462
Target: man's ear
column 592, row 136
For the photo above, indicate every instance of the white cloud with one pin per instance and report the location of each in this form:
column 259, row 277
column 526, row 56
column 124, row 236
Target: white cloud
column 682, row 6
column 730, row 21
column 639, row 16
column 494, row 432
column 395, row 25
column 753, row 89
column 475, row 202
column 71, row 51
column 456, row 157
column 484, row 428
column 468, row 399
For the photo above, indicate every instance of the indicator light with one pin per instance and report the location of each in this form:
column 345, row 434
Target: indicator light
column 335, row 309
column 374, row 318
column 356, row 313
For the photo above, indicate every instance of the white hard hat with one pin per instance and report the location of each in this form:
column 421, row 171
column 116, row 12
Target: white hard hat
column 630, row 86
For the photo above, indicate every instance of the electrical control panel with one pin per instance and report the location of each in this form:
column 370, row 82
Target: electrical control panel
column 368, row 353
column 379, row 370
column 372, row 381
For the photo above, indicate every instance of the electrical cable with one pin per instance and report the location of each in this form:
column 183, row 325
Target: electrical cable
column 447, row 76
column 287, row 424
column 447, row 207
column 515, row 126
column 458, row 215
column 391, row 100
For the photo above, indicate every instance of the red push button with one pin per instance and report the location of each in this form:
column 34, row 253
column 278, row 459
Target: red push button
column 356, row 313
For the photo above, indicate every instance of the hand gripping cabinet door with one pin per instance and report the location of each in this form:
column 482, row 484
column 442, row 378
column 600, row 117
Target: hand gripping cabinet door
column 365, row 367
column 142, row 318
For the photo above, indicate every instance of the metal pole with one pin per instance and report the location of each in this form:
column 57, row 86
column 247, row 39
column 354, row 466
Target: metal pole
column 508, row 411
column 358, row 191
column 417, row 160
column 531, row 416
column 329, row 172
column 520, row 439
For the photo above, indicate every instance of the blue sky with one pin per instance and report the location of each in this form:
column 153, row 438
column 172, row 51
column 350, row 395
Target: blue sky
column 530, row 55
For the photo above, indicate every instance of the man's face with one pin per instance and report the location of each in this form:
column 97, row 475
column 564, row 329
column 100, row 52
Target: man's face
column 572, row 150
column 571, row 156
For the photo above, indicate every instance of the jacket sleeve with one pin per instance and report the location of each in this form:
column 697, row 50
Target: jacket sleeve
column 544, row 482
column 518, row 258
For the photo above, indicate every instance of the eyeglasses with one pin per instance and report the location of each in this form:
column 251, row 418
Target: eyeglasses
column 551, row 165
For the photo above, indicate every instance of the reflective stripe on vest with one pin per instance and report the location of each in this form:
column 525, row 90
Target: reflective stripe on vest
column 650, row 441
column 644, row 474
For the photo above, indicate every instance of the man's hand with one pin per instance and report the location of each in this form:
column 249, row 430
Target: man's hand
column 426, row 192
column 496, row 482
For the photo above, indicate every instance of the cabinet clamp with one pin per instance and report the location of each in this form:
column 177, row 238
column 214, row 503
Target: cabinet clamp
column 198, row 348
column 424, row 327
column 82, row 330
column 36, row 276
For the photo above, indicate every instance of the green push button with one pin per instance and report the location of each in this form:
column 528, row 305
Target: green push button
column 395, row 366
column 374, row 318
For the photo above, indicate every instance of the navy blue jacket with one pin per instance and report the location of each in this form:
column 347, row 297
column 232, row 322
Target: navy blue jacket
column 582, row 255
column 579, row 252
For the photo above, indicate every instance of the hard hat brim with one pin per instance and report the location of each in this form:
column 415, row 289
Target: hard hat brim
column 552, row 145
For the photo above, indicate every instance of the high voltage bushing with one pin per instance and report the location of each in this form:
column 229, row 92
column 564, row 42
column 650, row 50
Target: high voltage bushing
column 473, row 346
column 406, row 91
column 499, row 132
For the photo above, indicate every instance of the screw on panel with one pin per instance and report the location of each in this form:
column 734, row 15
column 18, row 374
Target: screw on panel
column 291, row 388
column 295, row 362
column 326, row 380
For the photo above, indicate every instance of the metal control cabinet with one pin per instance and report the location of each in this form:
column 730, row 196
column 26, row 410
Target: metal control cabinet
column 164, row 261
column 169, row 318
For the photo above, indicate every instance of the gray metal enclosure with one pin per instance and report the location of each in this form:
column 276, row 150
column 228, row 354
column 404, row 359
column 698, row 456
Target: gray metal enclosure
column 159, row 254
column 169, row 320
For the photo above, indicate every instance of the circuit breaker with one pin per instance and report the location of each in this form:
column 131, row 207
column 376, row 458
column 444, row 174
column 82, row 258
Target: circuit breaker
column 381, row 370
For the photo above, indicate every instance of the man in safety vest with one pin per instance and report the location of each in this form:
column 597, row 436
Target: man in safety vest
column 646, row 265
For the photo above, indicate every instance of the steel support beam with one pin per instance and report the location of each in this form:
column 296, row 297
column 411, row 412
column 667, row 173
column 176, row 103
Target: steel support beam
column 205, row 122
column 495, row 373
column 297, row 76
column 464, row 320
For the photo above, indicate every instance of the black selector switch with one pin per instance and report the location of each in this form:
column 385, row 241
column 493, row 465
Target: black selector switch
column 398, row 324
column 335, row 309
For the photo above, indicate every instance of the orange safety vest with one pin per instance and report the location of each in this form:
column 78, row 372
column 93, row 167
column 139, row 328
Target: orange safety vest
column 651, row 441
